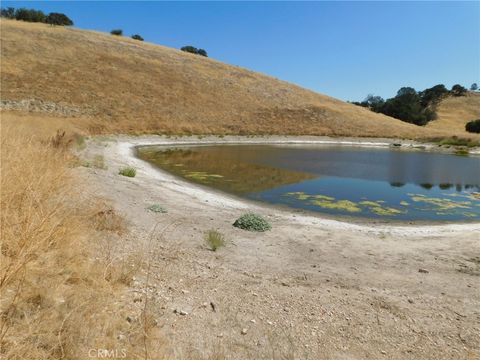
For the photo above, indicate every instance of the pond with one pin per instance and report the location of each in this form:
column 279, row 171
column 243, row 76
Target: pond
column 380, row 183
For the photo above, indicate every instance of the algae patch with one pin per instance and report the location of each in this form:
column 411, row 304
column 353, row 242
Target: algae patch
column 328, row 202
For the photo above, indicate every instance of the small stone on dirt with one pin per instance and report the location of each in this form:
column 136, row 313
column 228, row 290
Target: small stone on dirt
column 423, row 271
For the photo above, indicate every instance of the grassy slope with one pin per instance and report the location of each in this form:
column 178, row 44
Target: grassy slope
column 454, row 112
column 124, row 85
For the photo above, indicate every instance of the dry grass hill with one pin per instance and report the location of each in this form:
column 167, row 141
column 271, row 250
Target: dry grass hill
column 116, row 84
column 454, row 112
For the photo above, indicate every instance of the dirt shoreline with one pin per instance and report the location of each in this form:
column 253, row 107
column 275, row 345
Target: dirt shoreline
column 311, row 288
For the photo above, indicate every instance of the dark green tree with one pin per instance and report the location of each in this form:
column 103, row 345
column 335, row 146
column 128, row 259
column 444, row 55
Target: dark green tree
column 374, row 103
column 190, row 49
column 118, row 32
column 202, row 52
column 458, row 90
column 433, row 95
column 58, row 19
column 29, row 15
column 407, row 106
column 474, row 87
column 137, row 37
column 8, row 13
column 473, row 126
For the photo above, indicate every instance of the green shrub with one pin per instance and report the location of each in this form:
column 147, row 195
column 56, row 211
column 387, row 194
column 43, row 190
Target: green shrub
column 252, row 222
column 473, row 126
column 137, row 37
column 30, row 15
column 458, row 90
column 156, row 208
column 128, row 171
column 214, row 239
column 58, row 19
column 194, row 50
column 118, row 32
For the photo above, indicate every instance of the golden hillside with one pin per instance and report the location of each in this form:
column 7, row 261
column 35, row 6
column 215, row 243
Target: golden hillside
column 114, row 84
column 454, row 112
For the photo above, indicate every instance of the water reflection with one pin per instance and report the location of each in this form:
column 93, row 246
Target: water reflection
column 337, row 180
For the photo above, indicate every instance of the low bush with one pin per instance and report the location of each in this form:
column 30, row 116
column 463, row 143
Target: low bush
column 128, row 171
column 137, row 37
column 156, row 208
column 118, row 32
column 252, row 222
column 473, row 126
column 214, row 239
column 194, row 50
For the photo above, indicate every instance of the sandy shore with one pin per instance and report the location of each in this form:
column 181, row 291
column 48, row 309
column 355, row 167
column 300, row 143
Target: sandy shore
column 311, row 288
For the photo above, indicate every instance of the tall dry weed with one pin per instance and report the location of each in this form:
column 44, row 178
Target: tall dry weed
column 61, row 297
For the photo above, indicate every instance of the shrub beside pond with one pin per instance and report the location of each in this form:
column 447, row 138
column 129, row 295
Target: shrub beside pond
column 252, row 222
column 128, row 171
column 156, row 208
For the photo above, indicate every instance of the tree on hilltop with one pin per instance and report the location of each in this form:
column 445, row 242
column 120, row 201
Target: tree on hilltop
column 58, row 19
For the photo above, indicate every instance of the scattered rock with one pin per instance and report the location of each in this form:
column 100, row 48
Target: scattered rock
column 410, row 301
column 180, row 312
column 213, row 306
column 423, row 271
column 244, row 331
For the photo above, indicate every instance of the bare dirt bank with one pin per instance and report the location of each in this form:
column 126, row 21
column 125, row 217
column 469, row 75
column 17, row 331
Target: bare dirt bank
column 310, row 288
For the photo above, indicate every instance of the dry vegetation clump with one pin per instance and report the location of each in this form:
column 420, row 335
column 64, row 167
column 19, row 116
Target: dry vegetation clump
column 60, row 289
column 214, row 239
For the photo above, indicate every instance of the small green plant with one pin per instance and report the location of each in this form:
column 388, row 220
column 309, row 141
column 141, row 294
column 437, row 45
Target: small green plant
column 128, row 171
column 214, row 239
column 118, row 32
column 156, row 208
column 252, row 222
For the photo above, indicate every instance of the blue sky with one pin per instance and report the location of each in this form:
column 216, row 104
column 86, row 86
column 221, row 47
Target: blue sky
column 343, row 49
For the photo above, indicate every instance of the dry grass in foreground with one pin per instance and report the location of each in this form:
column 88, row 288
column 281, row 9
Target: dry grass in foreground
column 60, row 284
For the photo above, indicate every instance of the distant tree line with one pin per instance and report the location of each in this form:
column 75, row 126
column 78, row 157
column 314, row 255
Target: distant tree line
column 53, row 18
column 409, row 105
column 32, row 15
column 194, row 50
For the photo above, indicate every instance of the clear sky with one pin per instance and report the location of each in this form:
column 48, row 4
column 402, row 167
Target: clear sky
column 343, row 49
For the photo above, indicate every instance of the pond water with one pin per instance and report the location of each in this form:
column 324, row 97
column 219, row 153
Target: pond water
column 337, row 180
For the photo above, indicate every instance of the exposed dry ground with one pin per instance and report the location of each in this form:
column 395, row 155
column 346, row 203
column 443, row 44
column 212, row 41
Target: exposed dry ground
column 109, row 84
column 308, row 289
